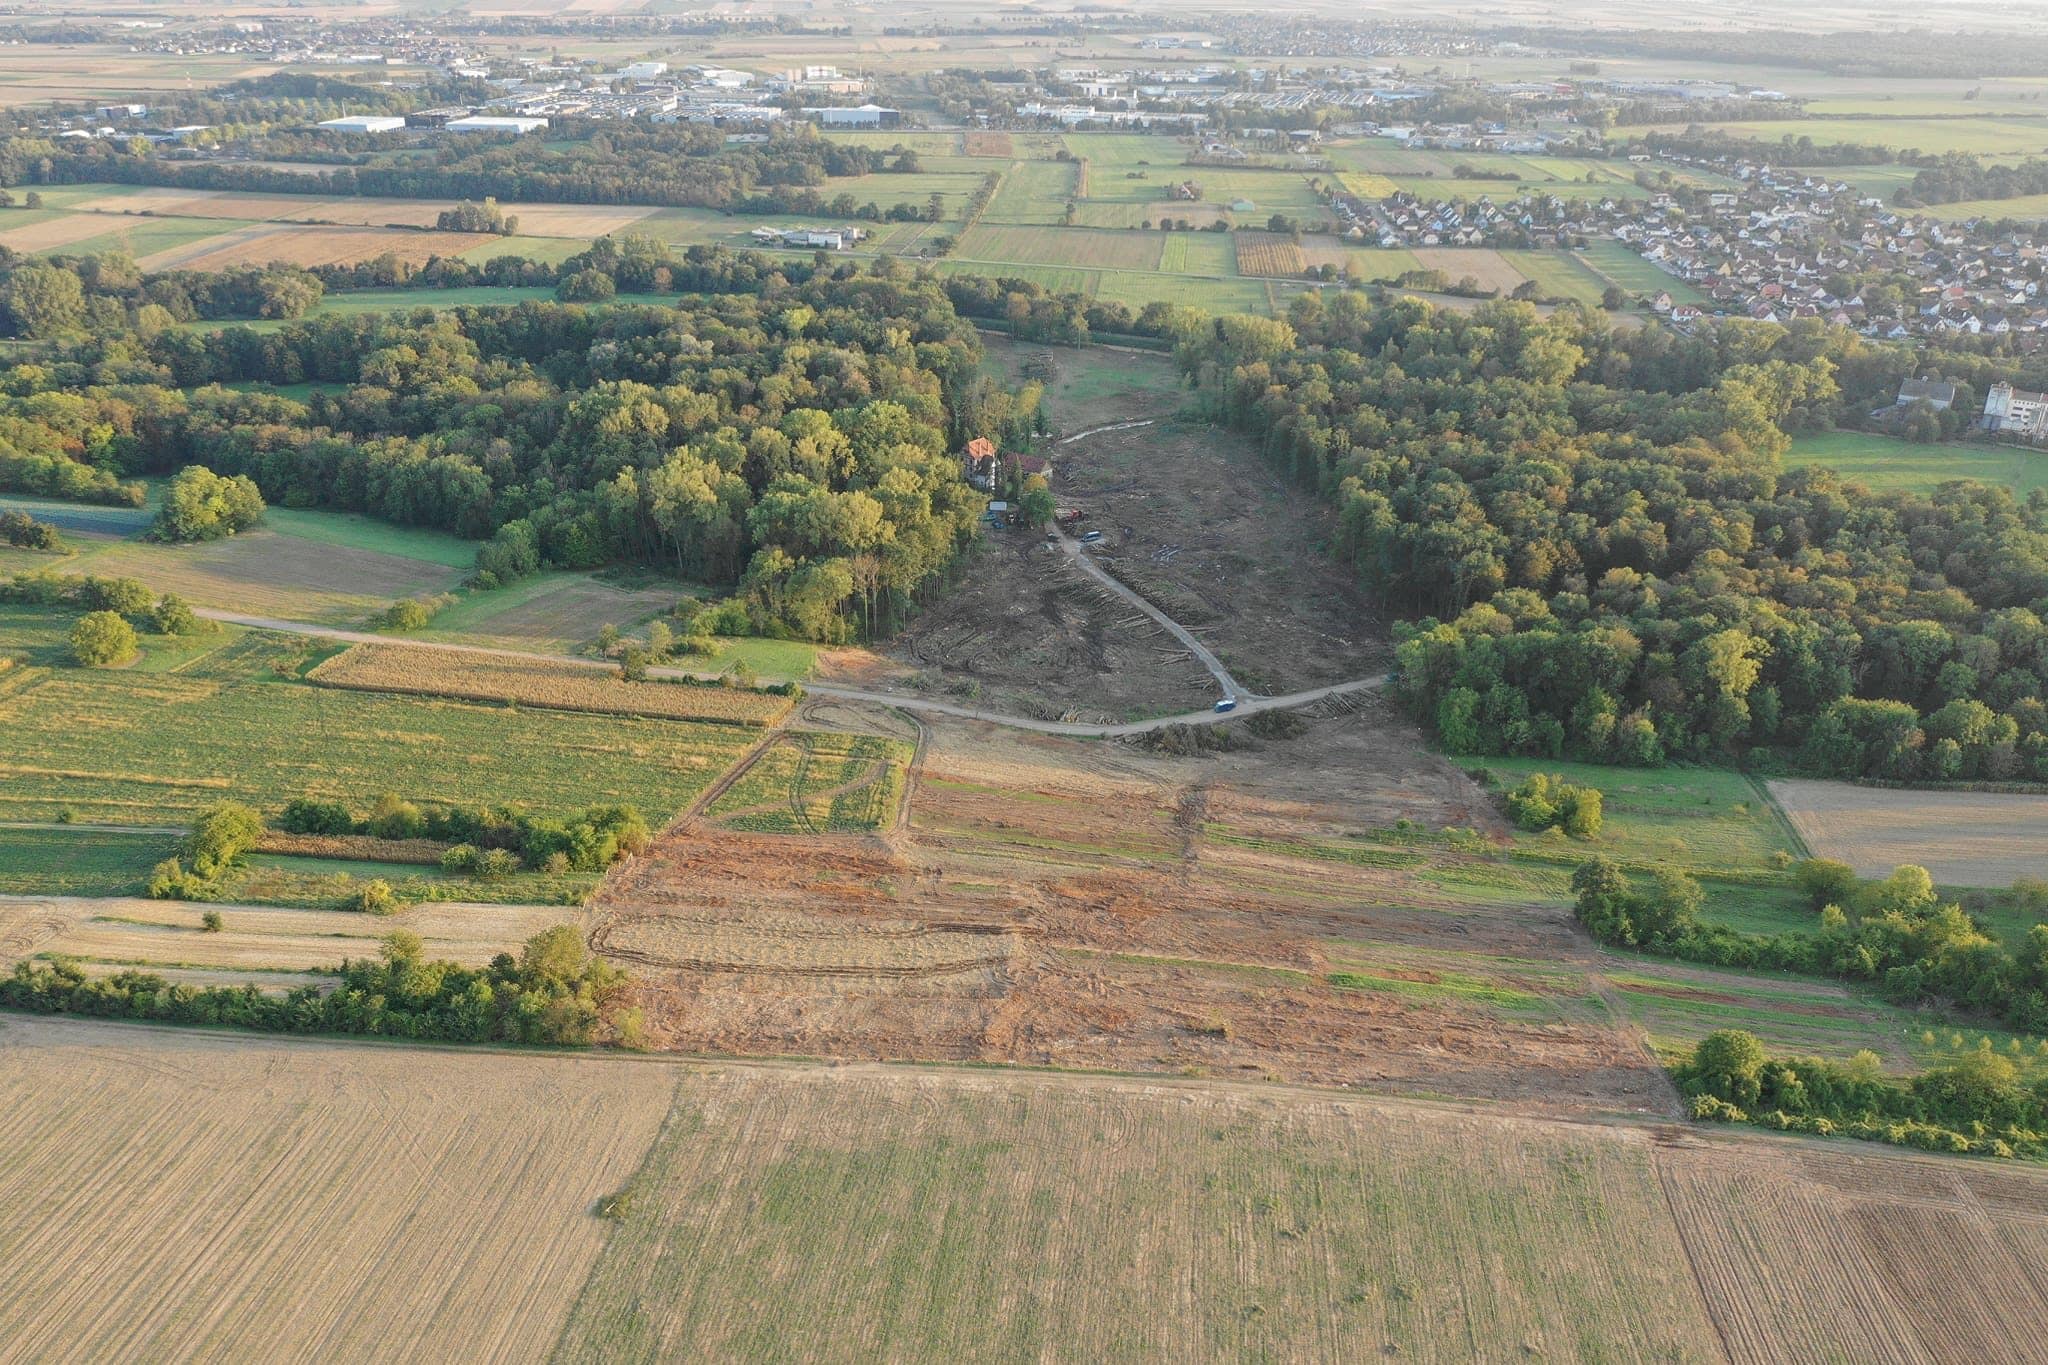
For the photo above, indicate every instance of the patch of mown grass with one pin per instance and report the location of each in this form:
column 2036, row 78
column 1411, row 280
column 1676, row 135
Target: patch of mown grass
column 1441, row 986
column 1698, row 818
column 328, row 883
column 78, row 861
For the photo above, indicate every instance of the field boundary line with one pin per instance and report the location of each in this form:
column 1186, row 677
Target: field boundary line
column 1777, row 809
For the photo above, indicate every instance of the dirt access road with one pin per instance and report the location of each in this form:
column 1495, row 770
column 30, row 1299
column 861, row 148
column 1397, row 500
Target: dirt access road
column 908, row 701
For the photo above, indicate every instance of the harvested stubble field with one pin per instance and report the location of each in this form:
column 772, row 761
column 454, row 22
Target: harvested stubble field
column 1262, row 253
column 294, row 244
column 535, row 220
column 301, row 1193
column 560, row 686
column 1963, row 838
column 1489, row 268
column 181, row 1195
column 121, row 931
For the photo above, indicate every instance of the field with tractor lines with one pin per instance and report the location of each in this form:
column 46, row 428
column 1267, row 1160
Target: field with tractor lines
column 180, row 1195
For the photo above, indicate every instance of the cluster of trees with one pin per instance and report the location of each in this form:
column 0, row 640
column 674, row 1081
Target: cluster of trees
column 202, row 505
column 790, row 439
column 555, row 992
column 65, row 297
column 1034, row 313
column 1546, row 801
column 104, row 634
column 1603, row 557
column 24, row 532
column 484, row 217
column 1895, row 932
column 1976, row 1105
column 1958, row 176
column 589, row 842
column 221, row 837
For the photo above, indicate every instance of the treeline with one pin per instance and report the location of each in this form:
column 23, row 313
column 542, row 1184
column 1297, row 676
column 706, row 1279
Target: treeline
column 1895, row 933
column 555, row 992
column 1789, row 150
column 794, row 442
column 582, row 162
column 1978, row 1105
column 1959, row 176
column 1601, row 556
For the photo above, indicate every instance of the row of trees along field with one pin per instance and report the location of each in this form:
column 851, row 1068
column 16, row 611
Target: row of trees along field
column 582, row 162
column 1601, row 554
column 795, row 442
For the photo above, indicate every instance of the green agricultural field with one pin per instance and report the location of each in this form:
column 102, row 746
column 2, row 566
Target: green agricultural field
column 325, row 883
column 1198, row 253
column 1885, row 463
column 2030, row 208
column 993, row 244
column 1980, row 135
column 1701, row 818
column 1559, row 275
column 128, row 747
column 1032, row 192
column 78, row 861
column 552, row 612
column 1615, row 264
column 1008, row 1218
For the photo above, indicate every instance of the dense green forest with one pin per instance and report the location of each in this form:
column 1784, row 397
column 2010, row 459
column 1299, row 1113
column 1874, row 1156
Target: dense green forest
column 790, row 438
column 1598, row 552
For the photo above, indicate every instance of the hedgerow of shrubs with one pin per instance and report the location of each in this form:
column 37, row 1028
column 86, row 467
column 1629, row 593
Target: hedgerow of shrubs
column 1895, row 932
column 1978, row 1105
column 488, row 842
column 555, row 992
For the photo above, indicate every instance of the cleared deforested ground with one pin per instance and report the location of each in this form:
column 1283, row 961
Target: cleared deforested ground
column 172, row 1195
column 1963, row 838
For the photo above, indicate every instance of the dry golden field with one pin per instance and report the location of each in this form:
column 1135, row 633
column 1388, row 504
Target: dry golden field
column 173, row 1195
column 1963, row 838
column 1489, row 268
column 295, row 244
column 114, row 932
column 563, row 686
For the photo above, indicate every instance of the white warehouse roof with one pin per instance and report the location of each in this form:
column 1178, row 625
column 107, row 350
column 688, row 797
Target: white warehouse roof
column 489, row 123
column 364, row 123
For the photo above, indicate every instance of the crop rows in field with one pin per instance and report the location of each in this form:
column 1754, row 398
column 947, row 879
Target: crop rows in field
column 357, row 1176
column 961, row 1218
column 562, row 686
column 128, row 747
column 1824, row 1264
column 1263, row 253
